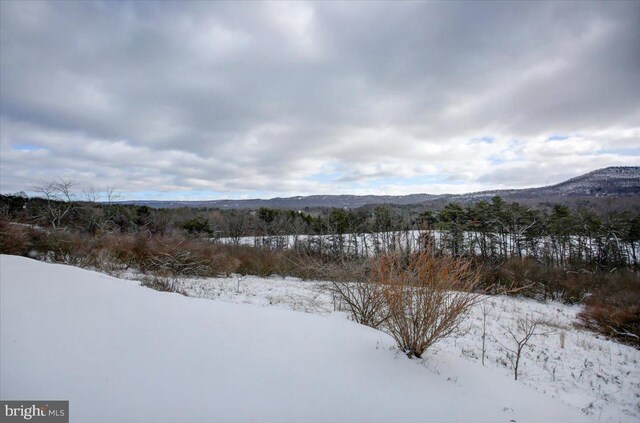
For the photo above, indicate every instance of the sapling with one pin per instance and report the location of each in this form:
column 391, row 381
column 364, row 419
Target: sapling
column 525, row 329
column 239, row 278
column 485, row 309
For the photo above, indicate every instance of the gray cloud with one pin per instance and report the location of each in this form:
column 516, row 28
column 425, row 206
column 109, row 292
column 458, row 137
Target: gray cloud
column 300, row 98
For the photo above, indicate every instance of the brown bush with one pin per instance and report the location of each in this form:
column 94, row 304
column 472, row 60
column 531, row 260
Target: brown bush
column 120, row 247
column 613, row 308
column 176, row 255
column 427, row 297
column 173, row 255
column 528, row 278
column 67, row 248
column 261, row 261
column 14, row 239
column 224, row 263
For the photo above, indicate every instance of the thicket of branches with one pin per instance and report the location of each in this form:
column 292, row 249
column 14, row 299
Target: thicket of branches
column 417, row 298
column 427, row 297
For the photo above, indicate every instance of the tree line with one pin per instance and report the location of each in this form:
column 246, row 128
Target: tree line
column 492, row 231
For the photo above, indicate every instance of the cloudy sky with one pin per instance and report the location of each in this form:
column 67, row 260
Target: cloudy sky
column 210, row 100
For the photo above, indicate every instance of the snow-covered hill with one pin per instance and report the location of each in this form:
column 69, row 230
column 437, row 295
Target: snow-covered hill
column 607, row 181
column 598, row 376
column 120, row 352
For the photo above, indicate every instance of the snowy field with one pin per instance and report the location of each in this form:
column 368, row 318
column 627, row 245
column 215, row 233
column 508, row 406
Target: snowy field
column 595, row 375
column 121, row 352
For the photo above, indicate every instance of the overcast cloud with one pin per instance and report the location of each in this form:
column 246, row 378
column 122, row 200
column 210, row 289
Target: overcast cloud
column 231, row 100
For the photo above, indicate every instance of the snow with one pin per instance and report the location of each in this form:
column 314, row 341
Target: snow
column 592, row 374
column 121, row 352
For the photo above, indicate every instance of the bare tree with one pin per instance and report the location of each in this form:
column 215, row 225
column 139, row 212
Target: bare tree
column 111, row 195
column 59, row 195
column 91, row 194
column 98, row 218
column 485, row 309
column 235, row 225
column 526, row 328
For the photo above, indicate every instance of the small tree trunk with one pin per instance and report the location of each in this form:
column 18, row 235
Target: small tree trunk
column 484, row 335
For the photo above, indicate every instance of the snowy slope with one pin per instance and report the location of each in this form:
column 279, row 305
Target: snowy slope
column 593, row 374
column 596, row 375
column 120, row 352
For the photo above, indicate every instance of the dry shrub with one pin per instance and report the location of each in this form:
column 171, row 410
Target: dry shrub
column 350, row 286
column 68, row 248
column 574, row 286
column 427, row 297
column 178, row 263
column 309, row 266
column 162, row 284
column 364, row 300
column 224, row 263
column 119, row 248
column 57, row 246
column 176, row 255
column 260, row 261
column 172, row 255
column 521, row 276
column 169, row 255
column 529, row 278
column 613, row 308
column 14, row 239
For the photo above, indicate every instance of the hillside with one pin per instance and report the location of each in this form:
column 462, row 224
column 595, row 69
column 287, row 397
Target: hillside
column 606, row 182
column 118, row 352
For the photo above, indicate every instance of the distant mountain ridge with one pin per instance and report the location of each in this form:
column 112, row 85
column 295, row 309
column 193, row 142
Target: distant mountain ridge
column 606, row 182
column 609, row 181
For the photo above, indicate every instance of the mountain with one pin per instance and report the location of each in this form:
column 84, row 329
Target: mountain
column 606, row 182
column 603, row 182
column 299, row 202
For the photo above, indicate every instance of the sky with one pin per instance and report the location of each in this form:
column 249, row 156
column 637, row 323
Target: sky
column 212, row 100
